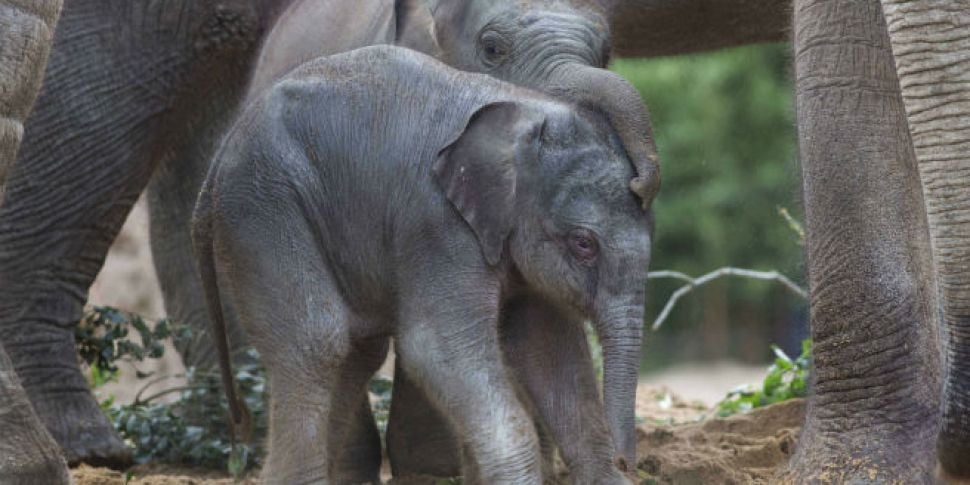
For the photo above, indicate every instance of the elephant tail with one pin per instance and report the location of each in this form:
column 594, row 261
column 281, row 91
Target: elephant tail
column 202, row 242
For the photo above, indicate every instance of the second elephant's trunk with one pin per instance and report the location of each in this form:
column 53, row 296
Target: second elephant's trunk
column 620, row 102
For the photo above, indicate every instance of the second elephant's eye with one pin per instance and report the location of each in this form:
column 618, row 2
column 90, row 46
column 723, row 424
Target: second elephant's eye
column 583, row 245
column 493, row 48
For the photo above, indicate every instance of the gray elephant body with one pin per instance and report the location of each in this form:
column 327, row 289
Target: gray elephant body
column 347, row 205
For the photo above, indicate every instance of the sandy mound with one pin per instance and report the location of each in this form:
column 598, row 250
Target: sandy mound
column 746, row 448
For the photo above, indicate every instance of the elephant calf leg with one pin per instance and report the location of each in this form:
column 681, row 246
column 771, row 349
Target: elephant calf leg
column 292, row 312
column 419, row 439
column 358, row 453
column 458, row 365
column 550, row 358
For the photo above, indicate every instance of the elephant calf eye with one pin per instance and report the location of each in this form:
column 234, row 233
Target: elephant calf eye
column 583, row 245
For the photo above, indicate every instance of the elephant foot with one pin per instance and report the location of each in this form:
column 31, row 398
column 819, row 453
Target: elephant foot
column 860, row 457
column 52, row 471
column 28, row 454
column 82, row 430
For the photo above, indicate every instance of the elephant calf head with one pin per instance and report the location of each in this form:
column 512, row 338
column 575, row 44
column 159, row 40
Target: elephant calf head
column 552, row 187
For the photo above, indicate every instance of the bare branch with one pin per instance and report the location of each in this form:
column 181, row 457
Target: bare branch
column 693, row 283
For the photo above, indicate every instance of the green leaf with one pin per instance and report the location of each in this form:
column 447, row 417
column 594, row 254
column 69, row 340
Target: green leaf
column 772, row 381
column 238, row 460
column 784, row 380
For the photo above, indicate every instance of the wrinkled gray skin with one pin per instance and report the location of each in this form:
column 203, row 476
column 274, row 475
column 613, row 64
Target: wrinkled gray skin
column 482, row 197
column 884, row 136
column 29, row 453
column 129, row 89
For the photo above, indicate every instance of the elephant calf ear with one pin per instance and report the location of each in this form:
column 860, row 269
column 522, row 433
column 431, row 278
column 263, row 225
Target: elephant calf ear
column 478, row 171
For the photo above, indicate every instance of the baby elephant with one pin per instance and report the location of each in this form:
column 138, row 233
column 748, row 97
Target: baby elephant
column 379, row 194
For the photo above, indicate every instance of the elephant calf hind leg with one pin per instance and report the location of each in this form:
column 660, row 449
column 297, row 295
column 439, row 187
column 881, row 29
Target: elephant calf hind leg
column 293, row 314
column 359, row 451
column 419, row 438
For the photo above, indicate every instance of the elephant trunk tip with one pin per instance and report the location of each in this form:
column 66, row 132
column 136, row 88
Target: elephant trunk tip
column 644, row 190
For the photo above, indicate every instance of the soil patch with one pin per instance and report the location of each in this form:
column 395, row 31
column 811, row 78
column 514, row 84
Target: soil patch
column 153, row 474
column 742, row 449
column 678, row 443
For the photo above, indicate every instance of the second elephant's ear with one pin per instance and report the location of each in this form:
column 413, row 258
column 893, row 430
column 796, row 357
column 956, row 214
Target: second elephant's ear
column 479, row 170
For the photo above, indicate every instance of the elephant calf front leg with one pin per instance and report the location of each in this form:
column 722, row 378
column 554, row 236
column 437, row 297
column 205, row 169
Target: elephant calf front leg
column 549, row 356
column 453, row 354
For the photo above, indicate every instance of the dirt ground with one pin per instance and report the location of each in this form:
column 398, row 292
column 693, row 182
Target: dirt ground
column 745, row 448
column 685, row 449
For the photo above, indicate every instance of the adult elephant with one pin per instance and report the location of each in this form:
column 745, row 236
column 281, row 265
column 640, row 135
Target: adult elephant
column 29, row 453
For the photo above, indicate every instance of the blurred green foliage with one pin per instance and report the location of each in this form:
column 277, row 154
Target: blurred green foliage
column 725, row 132
column 786, row 379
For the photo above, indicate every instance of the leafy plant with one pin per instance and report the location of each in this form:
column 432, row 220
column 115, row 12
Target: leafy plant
column 786, row 379
column 193, row 428
column 103, row 338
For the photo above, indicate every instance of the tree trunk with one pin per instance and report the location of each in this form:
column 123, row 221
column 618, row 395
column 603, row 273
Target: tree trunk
column 876, row 383
column 931, row 44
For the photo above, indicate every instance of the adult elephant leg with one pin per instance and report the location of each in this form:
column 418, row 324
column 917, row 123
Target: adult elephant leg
column 29, row 453
column 124, row 83
column 876, row 383
column 171, row 199
column 931, row 44
column 26, row 34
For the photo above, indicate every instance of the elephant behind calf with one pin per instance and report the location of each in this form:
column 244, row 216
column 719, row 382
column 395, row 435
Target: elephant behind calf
column 379, row 193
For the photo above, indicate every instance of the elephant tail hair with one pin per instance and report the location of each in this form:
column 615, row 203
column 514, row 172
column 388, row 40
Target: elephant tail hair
column 202, row 242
